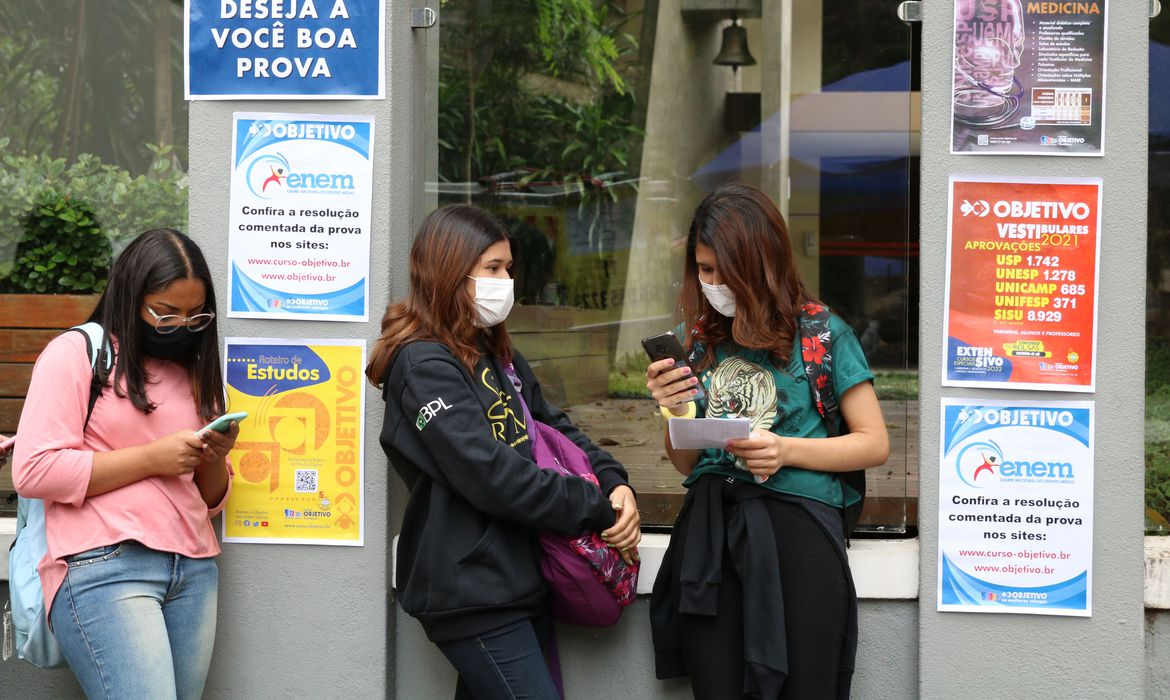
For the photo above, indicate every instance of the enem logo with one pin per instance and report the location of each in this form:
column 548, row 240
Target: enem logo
column 266, row 175
column 978, row 464
column 982, row 464
column 271, row 175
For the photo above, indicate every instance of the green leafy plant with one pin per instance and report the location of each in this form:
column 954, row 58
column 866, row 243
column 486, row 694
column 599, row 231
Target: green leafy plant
column 1157, row 426
column 1158, row 481
column 63, row 251
column 535, row 85
column 123, row 205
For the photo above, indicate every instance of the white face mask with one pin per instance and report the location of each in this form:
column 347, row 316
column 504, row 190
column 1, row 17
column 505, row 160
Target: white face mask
column 493, row 300
column 720, row 297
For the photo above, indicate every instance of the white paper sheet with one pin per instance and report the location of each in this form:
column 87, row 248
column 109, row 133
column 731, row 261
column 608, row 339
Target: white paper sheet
column 701, row 433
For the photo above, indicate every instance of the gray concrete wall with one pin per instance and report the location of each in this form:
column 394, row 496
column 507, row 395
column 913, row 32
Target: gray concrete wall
column 314, row 621
column 619, row 662
column 979, row 655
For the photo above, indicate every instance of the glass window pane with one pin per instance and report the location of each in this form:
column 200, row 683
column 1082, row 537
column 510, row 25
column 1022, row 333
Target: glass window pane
column 93, row 139
column 1158, row 285
column 594, row 135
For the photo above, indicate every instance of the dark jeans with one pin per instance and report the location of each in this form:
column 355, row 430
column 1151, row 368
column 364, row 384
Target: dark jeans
column 504, row 664
column 816, row 605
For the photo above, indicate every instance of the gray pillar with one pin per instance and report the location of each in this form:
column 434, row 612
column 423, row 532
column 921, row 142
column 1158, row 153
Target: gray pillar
column 313, row 621
column 981, row 655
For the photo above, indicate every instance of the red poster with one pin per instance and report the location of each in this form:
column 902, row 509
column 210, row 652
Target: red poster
column 1022, row 260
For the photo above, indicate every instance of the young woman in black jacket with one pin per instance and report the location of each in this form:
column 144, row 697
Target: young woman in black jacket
column 454, row 431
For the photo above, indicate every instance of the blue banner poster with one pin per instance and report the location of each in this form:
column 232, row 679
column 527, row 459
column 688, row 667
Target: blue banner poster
column 1016, row 507
column 299, row 225
column 284, row 49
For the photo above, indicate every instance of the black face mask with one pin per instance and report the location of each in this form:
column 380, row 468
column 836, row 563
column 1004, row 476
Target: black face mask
column 176, row 345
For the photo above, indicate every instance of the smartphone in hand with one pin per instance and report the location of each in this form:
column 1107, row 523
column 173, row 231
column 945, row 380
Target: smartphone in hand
column 221, row 424
column 664, row 345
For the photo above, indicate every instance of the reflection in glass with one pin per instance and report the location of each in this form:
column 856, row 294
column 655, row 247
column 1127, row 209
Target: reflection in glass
column 93, row 139
column 596, row 140
column 1158, row 285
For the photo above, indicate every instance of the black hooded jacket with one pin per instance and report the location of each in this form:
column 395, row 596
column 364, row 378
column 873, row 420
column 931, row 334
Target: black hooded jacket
column 468, row 553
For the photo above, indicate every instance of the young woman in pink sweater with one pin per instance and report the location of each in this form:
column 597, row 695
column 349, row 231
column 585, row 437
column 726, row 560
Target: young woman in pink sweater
column 130, row 577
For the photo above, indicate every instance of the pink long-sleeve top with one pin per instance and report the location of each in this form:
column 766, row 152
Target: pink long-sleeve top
column 53, row 461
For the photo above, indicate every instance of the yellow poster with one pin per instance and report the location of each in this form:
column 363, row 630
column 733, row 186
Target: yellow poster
column 298, row 458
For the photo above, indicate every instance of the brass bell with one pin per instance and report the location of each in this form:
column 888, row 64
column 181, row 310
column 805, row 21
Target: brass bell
column 734, row 51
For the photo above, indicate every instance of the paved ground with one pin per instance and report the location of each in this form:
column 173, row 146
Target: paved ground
column 632, row 430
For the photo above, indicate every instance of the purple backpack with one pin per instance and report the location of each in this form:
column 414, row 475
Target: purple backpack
column 589, row 582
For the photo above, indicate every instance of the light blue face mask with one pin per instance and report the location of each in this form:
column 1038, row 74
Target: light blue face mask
column 493, row 300
column 720, row 297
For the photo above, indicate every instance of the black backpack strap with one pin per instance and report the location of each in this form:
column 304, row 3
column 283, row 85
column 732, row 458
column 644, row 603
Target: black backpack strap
column 101, row 360
column 816, row 347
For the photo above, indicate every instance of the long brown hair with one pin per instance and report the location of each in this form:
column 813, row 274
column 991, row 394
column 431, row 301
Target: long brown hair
column 753, row 254
column 438, row 307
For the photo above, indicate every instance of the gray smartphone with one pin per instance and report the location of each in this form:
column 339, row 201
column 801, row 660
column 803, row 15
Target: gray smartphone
column 664, row 345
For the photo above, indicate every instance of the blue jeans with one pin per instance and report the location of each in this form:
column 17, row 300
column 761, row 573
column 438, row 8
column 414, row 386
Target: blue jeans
column 133, row 622
column 504, row 664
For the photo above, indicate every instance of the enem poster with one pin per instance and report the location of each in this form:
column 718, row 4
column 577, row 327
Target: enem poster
column 1021, row 283
column 1016, row 507
column 298, row 457
column 299, row 225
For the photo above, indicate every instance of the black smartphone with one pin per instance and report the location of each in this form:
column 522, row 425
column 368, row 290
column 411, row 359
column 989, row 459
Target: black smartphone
column 664, row 345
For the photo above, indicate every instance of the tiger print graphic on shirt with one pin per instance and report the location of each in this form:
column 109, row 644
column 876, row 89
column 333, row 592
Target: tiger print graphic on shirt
column 742, row 389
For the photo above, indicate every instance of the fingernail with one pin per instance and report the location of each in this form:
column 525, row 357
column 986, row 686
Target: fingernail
column 686, row 370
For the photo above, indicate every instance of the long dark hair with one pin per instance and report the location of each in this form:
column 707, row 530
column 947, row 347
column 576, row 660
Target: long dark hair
column 151, row 262
column 437, row 307
column 753, row 254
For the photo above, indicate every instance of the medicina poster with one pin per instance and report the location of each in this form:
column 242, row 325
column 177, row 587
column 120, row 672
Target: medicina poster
column 1028, row 77
column 298, row 457
column 1016, row 507
column 299, row 220
column 1021, row 283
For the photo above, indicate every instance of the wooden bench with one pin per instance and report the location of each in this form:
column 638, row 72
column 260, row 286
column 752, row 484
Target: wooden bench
column 27, row 323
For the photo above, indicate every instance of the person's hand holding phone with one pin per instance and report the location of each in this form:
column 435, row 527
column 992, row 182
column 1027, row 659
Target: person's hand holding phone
column 671, row 386
column 668, row 378
column 175, row 454
column 217, row 445
column 219, row 436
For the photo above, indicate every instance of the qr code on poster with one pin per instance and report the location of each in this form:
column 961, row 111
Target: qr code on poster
column 306, row 481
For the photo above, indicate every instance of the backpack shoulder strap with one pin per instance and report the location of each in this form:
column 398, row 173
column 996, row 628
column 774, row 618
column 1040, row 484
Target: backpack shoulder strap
column 97, row 344
column 816, row 347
